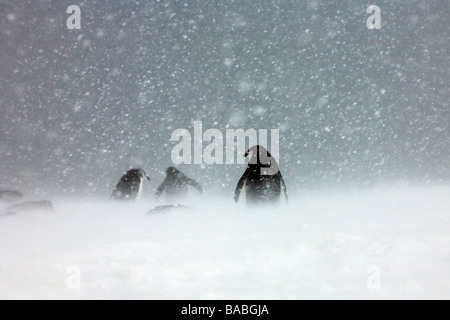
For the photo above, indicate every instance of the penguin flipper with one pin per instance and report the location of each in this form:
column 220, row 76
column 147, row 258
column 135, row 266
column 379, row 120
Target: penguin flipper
column 160, row 189
column 283, row 186
column 194, row 184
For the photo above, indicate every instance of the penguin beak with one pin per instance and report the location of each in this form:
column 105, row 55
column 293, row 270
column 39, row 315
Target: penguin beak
column 246, row 155
column 148, row 178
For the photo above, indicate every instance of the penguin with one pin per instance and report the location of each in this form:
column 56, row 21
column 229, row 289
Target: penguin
column 262, row 182
column 176, row 184
column 129, row 186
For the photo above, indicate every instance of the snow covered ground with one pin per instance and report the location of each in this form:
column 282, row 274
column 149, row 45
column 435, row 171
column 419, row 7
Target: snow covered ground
column 390, row 242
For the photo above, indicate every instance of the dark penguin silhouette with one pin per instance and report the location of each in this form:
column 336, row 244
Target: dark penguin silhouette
column 262, row 182
column 176, row 184
column 129, row 186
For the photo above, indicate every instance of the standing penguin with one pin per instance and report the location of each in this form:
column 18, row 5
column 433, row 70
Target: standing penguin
column 129, row 186
column 262, row 182
column 176, row 184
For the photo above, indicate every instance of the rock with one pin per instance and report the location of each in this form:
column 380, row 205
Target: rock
column 10, row 195
column 168, row 208
column 29, row 206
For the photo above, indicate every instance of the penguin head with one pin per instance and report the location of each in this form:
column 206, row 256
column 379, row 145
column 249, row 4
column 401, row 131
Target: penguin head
column 258, row 155
column 260, row 159
column 173, row 172
column 137, row 174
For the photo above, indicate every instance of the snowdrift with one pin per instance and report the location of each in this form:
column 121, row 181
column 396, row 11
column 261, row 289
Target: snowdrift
column 388, row 243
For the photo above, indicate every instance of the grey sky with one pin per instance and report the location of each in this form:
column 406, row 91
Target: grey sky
column 354, row 106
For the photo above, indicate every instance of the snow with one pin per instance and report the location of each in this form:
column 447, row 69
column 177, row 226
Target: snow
column 355, row 108
column 389, row 242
